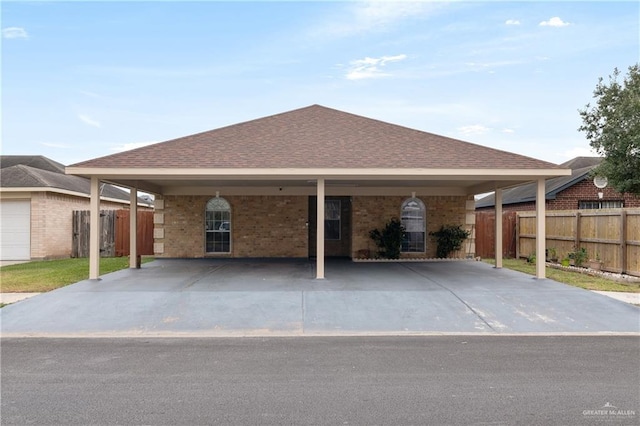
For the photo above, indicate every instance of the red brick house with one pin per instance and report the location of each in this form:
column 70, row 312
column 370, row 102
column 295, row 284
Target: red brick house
column 256, row 189
column 565, row 192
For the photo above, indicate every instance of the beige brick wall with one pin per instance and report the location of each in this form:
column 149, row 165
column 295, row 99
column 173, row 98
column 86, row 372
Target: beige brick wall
column 261, row 226
column 276, row 226
column 374, row 212
column 52, row 224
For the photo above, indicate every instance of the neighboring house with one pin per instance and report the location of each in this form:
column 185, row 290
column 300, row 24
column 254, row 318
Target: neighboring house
column 36, row 204
column 564, row 193
column 256, row 189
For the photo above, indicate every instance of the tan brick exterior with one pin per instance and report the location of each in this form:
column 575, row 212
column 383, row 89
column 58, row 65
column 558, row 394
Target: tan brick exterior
column 276, row 226
column 374, row 212
column 261, row 226
column 51, row 222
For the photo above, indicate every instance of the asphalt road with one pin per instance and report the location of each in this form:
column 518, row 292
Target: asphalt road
column 338, row 381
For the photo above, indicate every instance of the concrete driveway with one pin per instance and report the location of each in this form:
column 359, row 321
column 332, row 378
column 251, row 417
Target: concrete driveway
column 255, row 297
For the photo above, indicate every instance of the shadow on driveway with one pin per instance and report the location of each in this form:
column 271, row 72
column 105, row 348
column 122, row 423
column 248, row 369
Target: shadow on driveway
column 215, row 297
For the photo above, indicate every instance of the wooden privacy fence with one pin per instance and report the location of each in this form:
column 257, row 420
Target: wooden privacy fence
column 613, row 236
column 144, row 234
column 485, row 231
column 114, row 233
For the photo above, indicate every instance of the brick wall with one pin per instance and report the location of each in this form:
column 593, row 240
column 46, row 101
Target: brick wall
column 276, row 226
column 51, row 223
column 261, row 226
column 568, row 199
column 374, row 212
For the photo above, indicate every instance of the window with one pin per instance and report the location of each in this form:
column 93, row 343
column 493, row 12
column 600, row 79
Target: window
column 332, row 219
column 218, row 226
column 600, row 204
column 414, row 222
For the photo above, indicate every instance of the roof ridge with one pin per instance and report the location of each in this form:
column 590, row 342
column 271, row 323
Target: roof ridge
column 178, row 139
column 31, row 171
column 316, row 136
column 553, row 165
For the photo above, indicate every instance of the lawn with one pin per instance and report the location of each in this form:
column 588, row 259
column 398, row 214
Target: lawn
column 41, row 276
column 575, row 279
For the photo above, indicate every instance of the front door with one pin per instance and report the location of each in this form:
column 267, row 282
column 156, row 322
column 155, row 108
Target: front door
column 337, row 226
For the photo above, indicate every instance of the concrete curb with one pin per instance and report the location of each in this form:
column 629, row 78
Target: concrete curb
column 15, row 297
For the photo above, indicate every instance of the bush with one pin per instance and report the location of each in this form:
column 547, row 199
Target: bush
column 449, row 238
column 579, row 256
column 389, row 240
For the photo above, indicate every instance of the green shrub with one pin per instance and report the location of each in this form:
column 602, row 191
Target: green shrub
column 449, row 238
column 579, row 256
column 389, row 239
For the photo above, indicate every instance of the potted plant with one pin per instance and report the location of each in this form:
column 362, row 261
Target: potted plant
column 566, row 261
column 552, row 255
column 578, row 256
column 595, row 264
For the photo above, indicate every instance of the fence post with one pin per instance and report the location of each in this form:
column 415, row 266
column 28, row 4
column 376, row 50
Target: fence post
column 577, row 239
column 517, row 235
column 623, row 241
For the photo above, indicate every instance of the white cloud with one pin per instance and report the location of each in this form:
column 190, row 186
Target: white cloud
column 131, row 145
column 512, row 22
column 55, row 145
column 554, row 22
column 579, row 151
column 369, row 16
column 14, row 32
column 474, row 129
column 88, row 120
column 509, row 131
column 371, row 67
column 484, row 66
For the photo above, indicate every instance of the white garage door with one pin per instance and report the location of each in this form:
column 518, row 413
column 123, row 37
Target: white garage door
column 15, row 229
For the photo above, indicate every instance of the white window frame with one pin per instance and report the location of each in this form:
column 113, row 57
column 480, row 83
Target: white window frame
column 601, row 204
column 408, row 226
column 222, row 229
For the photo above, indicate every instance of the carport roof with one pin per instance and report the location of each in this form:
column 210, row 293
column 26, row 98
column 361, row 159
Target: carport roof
column 316, row 141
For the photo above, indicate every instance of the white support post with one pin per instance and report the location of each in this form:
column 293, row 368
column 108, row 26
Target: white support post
column 133, row 229
column 541, row 231
column 320, row 231
column 94, row 230
column 498, row 230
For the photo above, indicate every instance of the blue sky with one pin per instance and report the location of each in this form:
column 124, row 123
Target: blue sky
column 87, row 79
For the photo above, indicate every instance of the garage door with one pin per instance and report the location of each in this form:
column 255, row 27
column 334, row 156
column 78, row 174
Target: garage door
column 15, row 229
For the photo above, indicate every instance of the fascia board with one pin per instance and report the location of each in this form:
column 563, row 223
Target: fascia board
column 298, row 173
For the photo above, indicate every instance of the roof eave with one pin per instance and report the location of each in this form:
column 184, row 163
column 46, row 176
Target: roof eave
column 296, row 173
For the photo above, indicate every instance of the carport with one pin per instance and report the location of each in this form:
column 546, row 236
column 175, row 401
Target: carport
column 249, row 297
column 315, row 152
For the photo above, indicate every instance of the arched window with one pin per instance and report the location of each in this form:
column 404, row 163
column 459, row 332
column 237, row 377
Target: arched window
column 218, row 226
column 413, row 217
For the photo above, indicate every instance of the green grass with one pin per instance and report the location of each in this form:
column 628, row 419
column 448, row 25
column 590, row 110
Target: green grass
column 41, row 276
column 575, row 279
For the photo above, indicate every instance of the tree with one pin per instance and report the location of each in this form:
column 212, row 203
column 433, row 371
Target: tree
column 612, row 127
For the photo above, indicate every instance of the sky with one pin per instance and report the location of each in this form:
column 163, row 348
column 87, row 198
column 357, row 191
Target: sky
column 86, row 79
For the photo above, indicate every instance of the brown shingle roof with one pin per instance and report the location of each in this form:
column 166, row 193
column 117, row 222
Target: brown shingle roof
column 316, row 137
